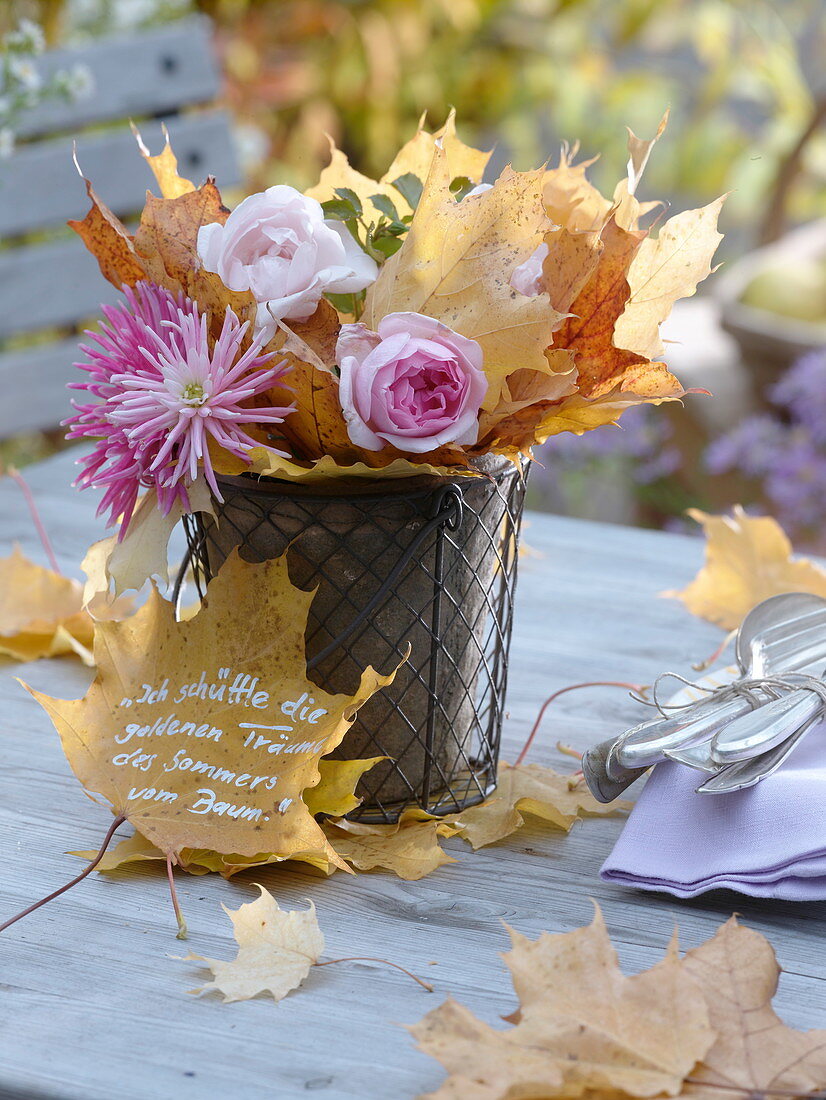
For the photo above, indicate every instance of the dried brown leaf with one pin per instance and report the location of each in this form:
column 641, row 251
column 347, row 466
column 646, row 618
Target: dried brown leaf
column 583, row 1029
column 110, row 243
column 754, row 1052
column 276, row 949
column 528, row 789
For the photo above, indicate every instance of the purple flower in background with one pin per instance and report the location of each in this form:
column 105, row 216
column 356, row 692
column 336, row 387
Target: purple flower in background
column 640, row 441
column 785, row 451
column 802, row 392
column 750, row 447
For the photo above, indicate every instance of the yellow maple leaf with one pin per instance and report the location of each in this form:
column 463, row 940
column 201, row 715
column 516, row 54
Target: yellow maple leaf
column 665, row 268
column 528, row 789
column 335, row 794
column 204, row 734
column 409, row 848
column 164, row 166
column 582, row 1027
column 754, row 1052
column 456, row 264
column 415, row 158
column 326, row 468
column 748, row 559
column 276, row 949
column 41, row 612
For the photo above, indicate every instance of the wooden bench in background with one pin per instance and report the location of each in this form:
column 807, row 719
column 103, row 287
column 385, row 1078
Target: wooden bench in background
column 49, row 285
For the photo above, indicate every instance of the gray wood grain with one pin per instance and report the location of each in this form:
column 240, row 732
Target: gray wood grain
column 33, row 384
column 40, row 185
column 156, row 72
column 50, row 285
column 92, row 1006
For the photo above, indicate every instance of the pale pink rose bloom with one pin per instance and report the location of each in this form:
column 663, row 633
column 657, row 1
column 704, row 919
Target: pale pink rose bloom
column 527, row 278
column 278, row 245
column 415, row 383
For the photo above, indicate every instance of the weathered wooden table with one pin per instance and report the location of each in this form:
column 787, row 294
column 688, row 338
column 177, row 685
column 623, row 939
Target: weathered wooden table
column 93, row 1006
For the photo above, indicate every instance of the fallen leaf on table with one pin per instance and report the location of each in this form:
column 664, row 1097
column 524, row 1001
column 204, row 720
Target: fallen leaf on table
column 409, row 848
column 582, row 1029
column 748, row 559
column 41, row 612
column 204, row 734
column 754, row 1052
column 335, row 793
column 276, row 949
column 528, row 789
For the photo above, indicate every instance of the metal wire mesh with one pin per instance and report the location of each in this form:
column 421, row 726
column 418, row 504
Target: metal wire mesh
column 429, row 561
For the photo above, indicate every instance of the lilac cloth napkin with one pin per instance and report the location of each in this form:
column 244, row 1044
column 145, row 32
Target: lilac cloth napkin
column 768, row 841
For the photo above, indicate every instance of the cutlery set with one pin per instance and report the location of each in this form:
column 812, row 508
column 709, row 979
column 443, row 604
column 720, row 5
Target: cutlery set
column 743, row 731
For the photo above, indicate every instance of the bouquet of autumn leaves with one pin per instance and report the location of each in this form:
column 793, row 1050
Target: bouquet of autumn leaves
column 372, row 328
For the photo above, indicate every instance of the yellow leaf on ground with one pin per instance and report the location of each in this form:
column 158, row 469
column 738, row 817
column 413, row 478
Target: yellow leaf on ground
column 204, row 734
column 276, row 949
column 41, row 612
column 456, row 264
column 336, row 791
column 754, row 1053
column 410, row 848
column 334, row 795
column 528, row 789
column 748, row 559
column 582, row 1029
column 164, row 167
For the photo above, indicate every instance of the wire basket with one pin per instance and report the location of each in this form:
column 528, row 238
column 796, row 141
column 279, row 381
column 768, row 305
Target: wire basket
column 427, row 561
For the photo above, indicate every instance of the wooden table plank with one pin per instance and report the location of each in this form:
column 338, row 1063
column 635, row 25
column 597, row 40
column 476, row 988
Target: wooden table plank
column 92, row 1005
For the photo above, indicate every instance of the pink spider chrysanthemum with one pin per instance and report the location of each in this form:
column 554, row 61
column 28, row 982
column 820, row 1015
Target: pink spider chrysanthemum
column 161, row 389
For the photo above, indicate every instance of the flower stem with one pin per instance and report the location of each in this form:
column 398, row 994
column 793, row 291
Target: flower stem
column 562, row 691
column 182, row 929
column 23, row 485
column 78, row 878
column 370, row 958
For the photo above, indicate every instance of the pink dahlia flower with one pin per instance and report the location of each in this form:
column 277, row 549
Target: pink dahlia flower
column 161, row 391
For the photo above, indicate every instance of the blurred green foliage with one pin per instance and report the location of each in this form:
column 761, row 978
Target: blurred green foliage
column 742, row 78
column 739, row 76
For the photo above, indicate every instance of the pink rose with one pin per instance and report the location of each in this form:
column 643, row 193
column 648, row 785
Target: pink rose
column 528, row 279
column 415, row 383
column 277, row 245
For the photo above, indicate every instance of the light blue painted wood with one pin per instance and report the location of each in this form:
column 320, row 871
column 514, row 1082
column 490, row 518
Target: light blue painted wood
column 157, row 72
column 93, row 1006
